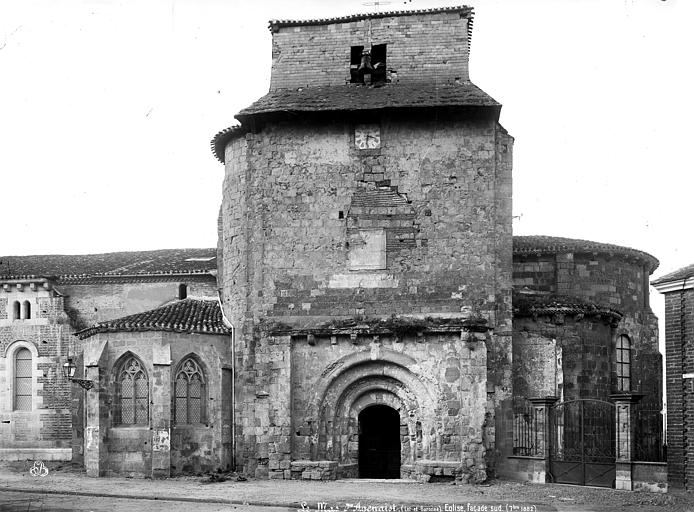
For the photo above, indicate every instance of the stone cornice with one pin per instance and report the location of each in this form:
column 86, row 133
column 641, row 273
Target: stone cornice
column 674, row 286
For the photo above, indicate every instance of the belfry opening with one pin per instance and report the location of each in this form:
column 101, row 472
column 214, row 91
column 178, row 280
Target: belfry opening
column 379, row 442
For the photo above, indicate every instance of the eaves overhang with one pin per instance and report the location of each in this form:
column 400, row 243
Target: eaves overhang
column 346, row 99
column 677, row 285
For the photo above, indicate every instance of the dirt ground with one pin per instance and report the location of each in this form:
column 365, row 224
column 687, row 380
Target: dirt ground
column 403, row 496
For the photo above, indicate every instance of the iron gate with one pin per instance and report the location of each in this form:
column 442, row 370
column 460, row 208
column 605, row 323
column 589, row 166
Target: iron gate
column 582, row 443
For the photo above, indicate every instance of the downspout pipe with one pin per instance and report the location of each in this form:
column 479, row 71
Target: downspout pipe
column 233, row 380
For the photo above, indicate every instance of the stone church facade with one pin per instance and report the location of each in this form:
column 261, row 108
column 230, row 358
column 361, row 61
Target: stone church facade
column 367, row 312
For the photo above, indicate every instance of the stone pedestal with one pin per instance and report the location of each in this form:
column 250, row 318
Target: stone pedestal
column 624, row 431
column 541, row 410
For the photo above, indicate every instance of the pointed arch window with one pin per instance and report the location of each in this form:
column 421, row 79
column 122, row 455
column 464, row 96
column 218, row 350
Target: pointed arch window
column 133, row 394
column 623, row 361
column 190, row 393
column 22, row 380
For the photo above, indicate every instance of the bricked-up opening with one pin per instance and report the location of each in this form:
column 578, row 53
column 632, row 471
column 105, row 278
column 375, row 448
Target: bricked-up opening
column 379, row 442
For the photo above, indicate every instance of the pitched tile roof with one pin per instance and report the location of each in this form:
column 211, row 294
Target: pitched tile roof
column 682, row 273
column 361, row 97
column 353, row 97
column 140, row 263
column 186, row 316
column 554, row 244
column 463, row 9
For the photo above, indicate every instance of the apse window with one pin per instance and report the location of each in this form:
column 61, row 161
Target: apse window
column 190, row 393
column 133, row 394
column 623, row 364
column 367, row 249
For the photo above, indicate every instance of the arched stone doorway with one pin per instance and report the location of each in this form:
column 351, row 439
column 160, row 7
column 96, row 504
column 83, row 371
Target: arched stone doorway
column 379, row 442
column 360, row 381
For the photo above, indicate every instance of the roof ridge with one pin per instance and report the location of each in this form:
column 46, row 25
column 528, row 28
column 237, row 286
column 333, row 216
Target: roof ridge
column 275, row 24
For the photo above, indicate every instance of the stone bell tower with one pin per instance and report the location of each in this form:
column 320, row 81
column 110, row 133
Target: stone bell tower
column 366, row 252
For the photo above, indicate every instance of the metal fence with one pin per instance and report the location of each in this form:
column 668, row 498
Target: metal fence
column 649, row 445
column 525, row 429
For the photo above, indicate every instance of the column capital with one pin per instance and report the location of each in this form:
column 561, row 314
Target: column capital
column 546, row 401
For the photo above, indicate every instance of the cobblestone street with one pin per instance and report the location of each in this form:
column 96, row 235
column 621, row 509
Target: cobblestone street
column 400, row 495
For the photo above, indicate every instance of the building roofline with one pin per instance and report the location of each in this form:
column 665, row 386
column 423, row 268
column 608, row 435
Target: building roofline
column 540, row 304
column 188, row 316
column 539, row 244
column 154, row 264
column 351, row 98
column 676, row 285
column 464, row 10
column 681, row 276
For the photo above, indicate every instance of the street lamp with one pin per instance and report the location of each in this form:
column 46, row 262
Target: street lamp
column 69, row 370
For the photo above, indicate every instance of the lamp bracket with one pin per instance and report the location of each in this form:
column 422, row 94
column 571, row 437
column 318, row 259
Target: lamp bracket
column 84, row 383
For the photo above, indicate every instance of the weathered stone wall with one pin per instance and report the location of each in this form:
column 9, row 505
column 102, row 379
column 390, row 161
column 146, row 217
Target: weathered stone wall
column 613, row 281
column 91, row 303
column 289, row 204
column 44, row 431
column 160, row 447
column 563, row 357
column 429, row 48
column 436, row 383
column 435, row 200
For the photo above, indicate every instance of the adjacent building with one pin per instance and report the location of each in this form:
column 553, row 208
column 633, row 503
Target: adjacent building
column 678, row 288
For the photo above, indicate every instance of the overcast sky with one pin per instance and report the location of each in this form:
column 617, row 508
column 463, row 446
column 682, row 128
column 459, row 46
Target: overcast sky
column 107, row 109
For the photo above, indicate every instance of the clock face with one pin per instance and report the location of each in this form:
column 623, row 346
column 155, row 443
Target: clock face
column 367, row 136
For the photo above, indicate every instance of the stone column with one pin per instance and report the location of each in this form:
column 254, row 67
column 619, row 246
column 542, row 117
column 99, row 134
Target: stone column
column 95, row 450
column 96, row 406
column 625, row 427
column 541, row 409
column 161, row 410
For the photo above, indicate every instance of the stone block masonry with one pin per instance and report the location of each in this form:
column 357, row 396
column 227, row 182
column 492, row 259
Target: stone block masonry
column 157, row 445
column 431, row 48
column 297, row 198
